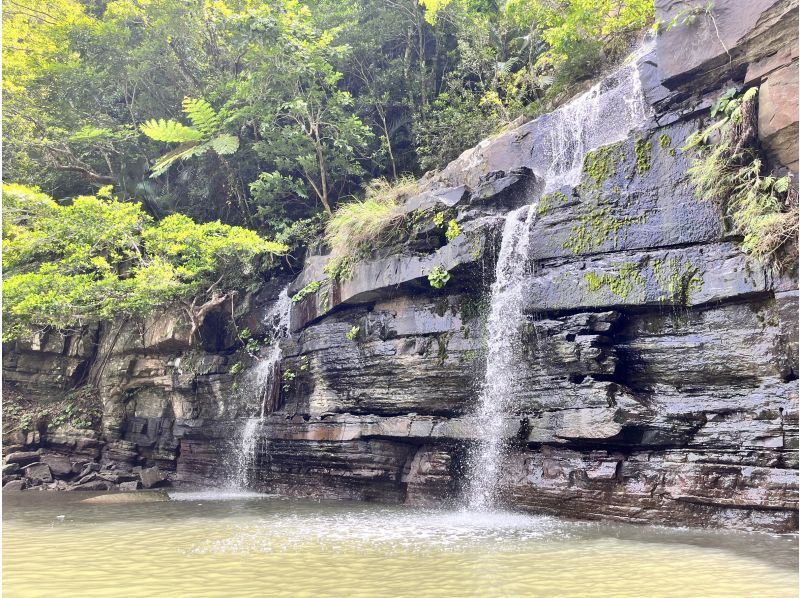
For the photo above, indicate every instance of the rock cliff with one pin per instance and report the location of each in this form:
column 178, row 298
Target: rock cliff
column 657, row 380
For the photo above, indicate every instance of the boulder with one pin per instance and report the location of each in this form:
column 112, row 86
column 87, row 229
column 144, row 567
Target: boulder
column 23, row 458
column 15, row 485
column 93, row 486
column 60, row 465
column 129, row 486
column 38, row 473
column 10, row 468
column 152, row 477
column 89, row 468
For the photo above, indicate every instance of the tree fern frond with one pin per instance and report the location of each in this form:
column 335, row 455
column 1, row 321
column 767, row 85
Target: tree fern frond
column 203, row 116
column 224, row 143
column 170, row 131
column 183, row 152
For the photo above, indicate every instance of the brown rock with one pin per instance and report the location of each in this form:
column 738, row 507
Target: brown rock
column 60, row 465
column 777, row 116
column 23, row 458
column 38, row 473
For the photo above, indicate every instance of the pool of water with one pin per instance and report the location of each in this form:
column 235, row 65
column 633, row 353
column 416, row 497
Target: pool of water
column 211, row 544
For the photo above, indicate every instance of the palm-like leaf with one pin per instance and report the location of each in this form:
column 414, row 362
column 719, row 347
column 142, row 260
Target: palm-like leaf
column 224, row 143
column 204, row 118
column 183, row 152
column 170, row 131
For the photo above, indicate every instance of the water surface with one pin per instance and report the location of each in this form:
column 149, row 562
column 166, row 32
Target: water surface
column 208, row 544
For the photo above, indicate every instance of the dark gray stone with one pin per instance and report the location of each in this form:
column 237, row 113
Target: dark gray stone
column 38, row 473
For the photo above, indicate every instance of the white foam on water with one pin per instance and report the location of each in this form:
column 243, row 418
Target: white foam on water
column 388, row 529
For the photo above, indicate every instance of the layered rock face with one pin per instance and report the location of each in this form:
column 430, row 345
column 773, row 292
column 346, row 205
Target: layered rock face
column 655, row 379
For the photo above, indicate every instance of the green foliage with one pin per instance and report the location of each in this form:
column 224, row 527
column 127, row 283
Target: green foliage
column 548, row 200
column 453, row 230
column 438, row 277
column 677, row 279
column 596, row 227
column 196, row 140
column 311, row 288
column 79, row 409
column 438, row 218
column 352, row 334
column 288, row 376
column 99, row 259
column 761, row 207
column 683, row 17
column 360, row 226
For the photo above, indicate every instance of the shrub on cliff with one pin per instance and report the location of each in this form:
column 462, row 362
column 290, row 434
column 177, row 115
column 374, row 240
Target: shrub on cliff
column 360, row 225
column 728, row 169
column 97, row 259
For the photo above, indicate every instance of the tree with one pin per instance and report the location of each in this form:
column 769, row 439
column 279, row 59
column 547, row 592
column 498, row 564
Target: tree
column 98, row 259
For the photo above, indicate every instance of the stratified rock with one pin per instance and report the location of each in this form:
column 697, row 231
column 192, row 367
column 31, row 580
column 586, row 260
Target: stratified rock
column 777, row 116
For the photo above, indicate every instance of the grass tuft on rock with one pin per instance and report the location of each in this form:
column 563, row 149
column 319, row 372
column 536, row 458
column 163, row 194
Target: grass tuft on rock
column 361, row 225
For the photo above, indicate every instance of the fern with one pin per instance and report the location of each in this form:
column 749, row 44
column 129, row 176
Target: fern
column 183, row 152
column 224, row 144
column 170, row 131
column 195, row 140
column 761, row 207
column 204, row 118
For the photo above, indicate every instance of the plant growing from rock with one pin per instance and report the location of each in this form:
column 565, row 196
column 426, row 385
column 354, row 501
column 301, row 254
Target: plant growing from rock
column 438, row 277
column 358, row 227
column 453, row 230
column 352, row 334
column 728, row 169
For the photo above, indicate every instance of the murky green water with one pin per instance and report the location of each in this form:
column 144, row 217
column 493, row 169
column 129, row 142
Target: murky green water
column 53, row 545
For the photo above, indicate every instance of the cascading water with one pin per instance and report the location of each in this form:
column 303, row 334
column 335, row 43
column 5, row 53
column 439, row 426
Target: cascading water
column 263, row 381
column 605, row 114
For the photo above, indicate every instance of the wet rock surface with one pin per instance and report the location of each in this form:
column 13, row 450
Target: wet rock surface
column 656, row 381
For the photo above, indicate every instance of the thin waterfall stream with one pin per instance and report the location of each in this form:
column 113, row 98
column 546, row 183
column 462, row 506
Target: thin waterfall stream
column 605, row 114
column 264, row 382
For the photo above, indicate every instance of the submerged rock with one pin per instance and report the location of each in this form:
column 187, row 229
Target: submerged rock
column 128, row 497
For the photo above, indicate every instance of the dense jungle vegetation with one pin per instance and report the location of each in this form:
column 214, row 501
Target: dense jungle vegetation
column 134, row 130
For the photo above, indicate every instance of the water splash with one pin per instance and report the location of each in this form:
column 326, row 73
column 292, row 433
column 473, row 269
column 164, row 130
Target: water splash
column 605, row 114
column 262, row 380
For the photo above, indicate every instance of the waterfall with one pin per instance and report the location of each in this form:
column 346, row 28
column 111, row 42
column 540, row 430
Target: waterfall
column 605, row 114
column 263, row 381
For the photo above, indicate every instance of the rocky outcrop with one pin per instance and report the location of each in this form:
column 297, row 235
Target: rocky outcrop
column 656, row 381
